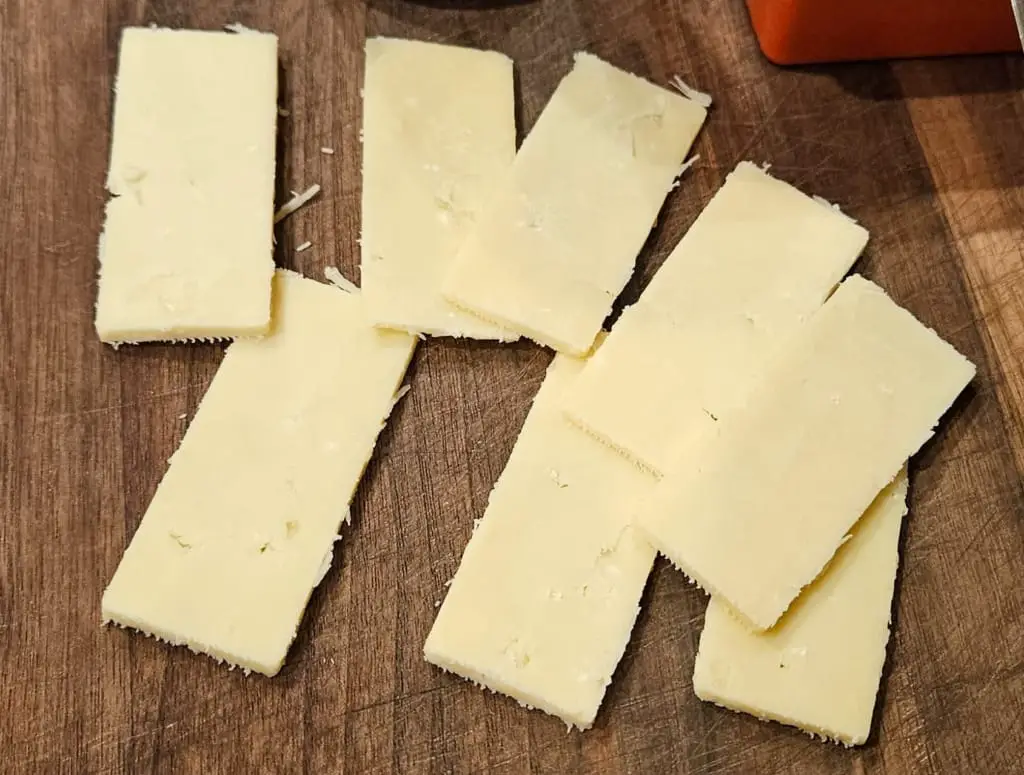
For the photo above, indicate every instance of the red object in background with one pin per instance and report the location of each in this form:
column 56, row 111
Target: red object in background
column 804, row 31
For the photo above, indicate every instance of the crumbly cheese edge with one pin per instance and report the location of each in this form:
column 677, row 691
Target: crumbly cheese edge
column 702, row 98
column 116, row 339
column 697, row 579
column 240, row 29
column 483, row 680
column 519, row 329
column 606, row 440
column 414, row 329
column 128, row 622
column 708, row 588
column 334, row 276
column 815, row 731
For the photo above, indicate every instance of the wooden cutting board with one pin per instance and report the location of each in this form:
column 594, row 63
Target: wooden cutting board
column 926, row 154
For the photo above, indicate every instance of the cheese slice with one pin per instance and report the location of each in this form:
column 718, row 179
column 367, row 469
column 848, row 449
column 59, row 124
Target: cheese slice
column 759, row 260
column 439, row 134
column 549, row 587
column 820, row 667
column 759, row 512
column 242, row 526
column 187, row 250
column 559, row 240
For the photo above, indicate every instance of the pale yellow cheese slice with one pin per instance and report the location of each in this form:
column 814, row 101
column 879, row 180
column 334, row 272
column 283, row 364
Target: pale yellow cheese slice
column 760, row 259
column 549, row 587
column 242, row 526
column 439, row 134
column 819, row 668
column 186, row 252
column 558, row 242
column 755, row 514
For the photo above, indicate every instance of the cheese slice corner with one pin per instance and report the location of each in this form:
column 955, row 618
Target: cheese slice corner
column 558, row 241
column 819, row 668
column 186, row 252
column 243, row 524
column 549, row 586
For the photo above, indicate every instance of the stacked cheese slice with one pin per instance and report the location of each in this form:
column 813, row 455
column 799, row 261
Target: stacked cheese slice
column 748, row 425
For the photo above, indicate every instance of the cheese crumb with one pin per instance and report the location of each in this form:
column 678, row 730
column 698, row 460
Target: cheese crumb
column 297, row 201
column 325, row 566
column 688, row 164
column 327, row 151
column 682, row 170
column 701, row 98
column 304, row 246
column 336, row 278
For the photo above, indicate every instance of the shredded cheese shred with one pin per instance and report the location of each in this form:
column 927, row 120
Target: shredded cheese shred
column 297, row 201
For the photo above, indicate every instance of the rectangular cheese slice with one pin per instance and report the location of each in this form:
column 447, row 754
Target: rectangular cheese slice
column 759, row 512
column 759, row 260
column 186, row 252
column 558, row 241
column 439, row 134
column 549, row 587
column 819, row 668
column 242, row 526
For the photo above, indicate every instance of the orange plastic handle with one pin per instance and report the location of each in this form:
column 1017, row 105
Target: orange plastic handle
column 805, row 31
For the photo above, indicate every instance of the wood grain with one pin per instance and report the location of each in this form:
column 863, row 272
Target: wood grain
column 925, row 154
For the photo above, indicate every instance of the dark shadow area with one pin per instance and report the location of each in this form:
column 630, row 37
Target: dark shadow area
column 474, row 346
column 957, row 76
column 873, row 81
column 282, row 258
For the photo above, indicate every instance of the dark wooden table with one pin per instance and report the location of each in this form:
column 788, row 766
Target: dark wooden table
column 928, row 155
